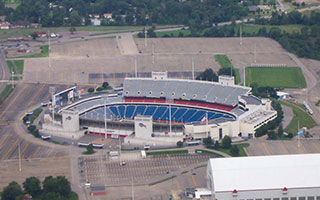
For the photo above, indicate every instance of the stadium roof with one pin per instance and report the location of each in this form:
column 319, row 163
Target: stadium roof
column 265, row 172
column 212, row 92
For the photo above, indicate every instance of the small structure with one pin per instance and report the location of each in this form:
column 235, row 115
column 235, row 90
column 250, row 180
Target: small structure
column 283, row 95
column 97, row 190
column 226, row 80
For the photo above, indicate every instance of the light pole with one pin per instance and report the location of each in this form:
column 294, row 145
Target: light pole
column 105, row 116
column 12, row 75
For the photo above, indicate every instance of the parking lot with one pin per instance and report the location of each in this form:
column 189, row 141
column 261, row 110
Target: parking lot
column 102, row 170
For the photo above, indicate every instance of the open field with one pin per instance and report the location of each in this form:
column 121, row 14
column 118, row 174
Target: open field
column 224, row 62
column 96, row 61
column 240, row 146
column 300, row 116
column 254, row 28
column 278, row 77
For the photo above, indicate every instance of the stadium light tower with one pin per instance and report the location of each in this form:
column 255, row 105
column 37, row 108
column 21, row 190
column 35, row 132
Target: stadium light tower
column 145, row 36
column 192, row 68
column 105, row 98
column 240, row 34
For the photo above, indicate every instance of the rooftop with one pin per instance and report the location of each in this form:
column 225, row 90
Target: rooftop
column 266, row 172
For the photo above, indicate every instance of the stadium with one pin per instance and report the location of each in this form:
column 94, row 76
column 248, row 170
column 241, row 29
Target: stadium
column 162, row 110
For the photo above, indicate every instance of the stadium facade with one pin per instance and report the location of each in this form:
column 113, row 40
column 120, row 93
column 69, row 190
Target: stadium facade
column 176, row 108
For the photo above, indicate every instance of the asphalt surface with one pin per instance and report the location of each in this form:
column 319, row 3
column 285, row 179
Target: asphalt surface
column 4, row 71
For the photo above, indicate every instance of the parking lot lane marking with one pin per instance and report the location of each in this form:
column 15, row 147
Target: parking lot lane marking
column 11, row 149
column 4, row 139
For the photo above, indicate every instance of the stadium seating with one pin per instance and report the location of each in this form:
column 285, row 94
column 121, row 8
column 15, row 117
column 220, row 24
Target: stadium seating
column 158, row 113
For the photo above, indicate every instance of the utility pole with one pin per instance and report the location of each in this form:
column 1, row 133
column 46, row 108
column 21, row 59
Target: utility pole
column 192, row 68
column 145, row 36
column 132, row 189
column 20, row 169
column 105, row 116
column 244, row 76
column 12, row 81
column 240, row 34
column 170, row 119
column 49, row 38
column 152, row 53
column 135, row 67
column 255, row 52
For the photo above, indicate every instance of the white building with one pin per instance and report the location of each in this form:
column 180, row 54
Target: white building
column 282, row 177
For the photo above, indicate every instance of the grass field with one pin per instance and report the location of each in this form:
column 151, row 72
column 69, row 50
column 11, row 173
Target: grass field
column 19, row 66
column 240, row 146
column 254, row 28
column 107, row 29
column 44, row 53
column 300, row 116
column 173, row 33
column 166, row 152
column 224, row 62
column 5, row 93
column 278, row 77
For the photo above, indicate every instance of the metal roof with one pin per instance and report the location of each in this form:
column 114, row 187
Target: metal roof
column 265, row 172
column 212, row 92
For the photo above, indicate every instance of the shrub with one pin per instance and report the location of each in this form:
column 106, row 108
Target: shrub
column 179, row 144
column 32, row 128
column 99, row 89
column 234, row 150
column 90, row 90
column 226, row 142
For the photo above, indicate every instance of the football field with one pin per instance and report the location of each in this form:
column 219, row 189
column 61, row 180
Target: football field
column 278, row 77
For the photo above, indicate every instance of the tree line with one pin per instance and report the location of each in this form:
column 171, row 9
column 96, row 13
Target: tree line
column 193, row 13
column 51, row 188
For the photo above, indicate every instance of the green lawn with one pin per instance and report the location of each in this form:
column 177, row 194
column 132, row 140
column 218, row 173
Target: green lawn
column 35, row 115
column 254, row 28
column 44, row 53
column 305, row 120
column 19, row 66
column 5, row 92
column 167, row 152
column 224, row 62
column 240, row 146
column 107, row 29
column 173, row 33
column 278, row 77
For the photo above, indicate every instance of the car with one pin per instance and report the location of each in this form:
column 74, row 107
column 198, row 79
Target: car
column 44, row 104
column 123, row 163
column 146, row 147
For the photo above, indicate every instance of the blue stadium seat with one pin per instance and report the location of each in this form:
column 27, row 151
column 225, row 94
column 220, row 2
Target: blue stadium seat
column 216, row 116
column 121, row 111
column 198, row 116
column 115, row 111
column 178, row 114
column 188, row 114
column 150, row 110
column 139, row 111
column 166, row 114
column 160, row 111
column 129, row 112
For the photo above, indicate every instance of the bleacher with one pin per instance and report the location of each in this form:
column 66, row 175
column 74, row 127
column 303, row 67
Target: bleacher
column 159, row 113
column 210, row 92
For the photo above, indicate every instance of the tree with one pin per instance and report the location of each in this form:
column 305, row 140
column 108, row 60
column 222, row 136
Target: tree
column 272, row 135
column 34, row 36
column 31, row 128
column 280, row 131
column 208, row 75
column 226, row 142
column 32, row 186
column 234, row 150
column 179, row 144
column 208, row 141
column 90, row 149
column 90, row 90
column 105, row 84
column 75, row 18
column 12, row 191
column 151, row 33
column 72, row 30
